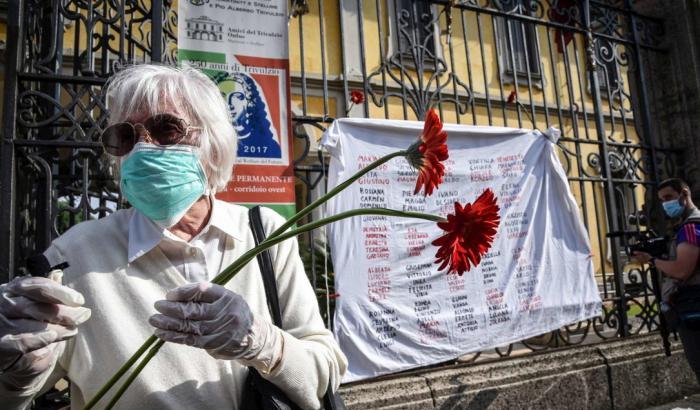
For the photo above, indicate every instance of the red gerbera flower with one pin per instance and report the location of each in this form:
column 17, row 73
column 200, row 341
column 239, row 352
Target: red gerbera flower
column 468, row 234
column 427, row 153
column 357, row 97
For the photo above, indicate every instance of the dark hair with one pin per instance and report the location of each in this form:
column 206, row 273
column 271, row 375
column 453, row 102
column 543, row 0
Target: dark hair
column 676, row 184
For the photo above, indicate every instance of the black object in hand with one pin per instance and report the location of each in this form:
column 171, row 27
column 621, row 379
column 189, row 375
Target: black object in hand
column 654, row 246
column 643, row 241
column 38, row 265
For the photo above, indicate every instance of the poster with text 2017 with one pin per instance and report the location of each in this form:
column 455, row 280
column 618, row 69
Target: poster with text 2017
column 244, row 49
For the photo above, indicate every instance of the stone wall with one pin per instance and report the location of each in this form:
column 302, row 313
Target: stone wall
column 575, row 378
column 673, row 81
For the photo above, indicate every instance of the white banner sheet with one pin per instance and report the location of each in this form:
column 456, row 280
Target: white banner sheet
column 396, row 311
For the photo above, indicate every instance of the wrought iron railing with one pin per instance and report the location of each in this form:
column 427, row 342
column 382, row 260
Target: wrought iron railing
column 577, row 65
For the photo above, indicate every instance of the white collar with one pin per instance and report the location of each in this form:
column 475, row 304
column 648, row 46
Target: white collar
column 144, row 234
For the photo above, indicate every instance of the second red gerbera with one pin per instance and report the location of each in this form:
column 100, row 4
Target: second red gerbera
column 427, row 154
column 469, row 233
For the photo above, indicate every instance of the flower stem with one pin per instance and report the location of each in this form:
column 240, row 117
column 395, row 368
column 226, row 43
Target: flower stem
column 236, row 266
column 525, row 110
column 315, row 204
column 126, row 366
column 135, row 373
column 228, row 274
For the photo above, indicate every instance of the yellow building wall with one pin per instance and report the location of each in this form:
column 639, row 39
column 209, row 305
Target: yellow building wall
column 571, row 89
column 481, row 78
column 312, row 41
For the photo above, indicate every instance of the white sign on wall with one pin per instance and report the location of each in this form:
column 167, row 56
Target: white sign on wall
column 243, row 46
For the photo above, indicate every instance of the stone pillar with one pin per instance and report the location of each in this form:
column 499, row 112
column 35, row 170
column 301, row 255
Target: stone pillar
column 673, row 80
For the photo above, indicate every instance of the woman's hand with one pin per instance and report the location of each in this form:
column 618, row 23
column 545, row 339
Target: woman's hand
column 214, row 318
column 35, row 314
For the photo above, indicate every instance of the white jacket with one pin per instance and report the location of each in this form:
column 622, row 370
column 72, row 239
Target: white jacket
column 121, row 296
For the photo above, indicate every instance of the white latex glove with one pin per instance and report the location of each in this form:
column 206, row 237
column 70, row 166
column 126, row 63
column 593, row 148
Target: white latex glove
column 35, row 314
column 214, row 318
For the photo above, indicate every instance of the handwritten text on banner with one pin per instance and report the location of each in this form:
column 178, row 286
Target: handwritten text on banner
column 396, row 311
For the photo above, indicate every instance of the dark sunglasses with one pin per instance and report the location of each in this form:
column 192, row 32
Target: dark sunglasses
column 162, row 129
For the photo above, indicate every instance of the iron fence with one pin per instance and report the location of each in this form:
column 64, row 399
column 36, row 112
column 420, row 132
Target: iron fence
column 577, row 65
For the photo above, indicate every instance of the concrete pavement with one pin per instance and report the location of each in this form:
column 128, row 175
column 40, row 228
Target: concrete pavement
column 688, row 403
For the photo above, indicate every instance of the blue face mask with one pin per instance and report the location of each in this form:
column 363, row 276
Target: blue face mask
column 673, row 208
column 163, row 182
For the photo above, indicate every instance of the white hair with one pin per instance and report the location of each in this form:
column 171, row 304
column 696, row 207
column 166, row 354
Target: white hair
column 149, row 89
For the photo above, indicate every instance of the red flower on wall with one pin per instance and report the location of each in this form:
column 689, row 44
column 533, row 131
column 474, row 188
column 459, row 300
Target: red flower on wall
column 513, row 97
column 427, row 154
column 469, row 233
column 357, row 97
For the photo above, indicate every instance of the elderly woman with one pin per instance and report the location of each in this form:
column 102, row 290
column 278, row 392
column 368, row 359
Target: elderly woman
column 171, row 132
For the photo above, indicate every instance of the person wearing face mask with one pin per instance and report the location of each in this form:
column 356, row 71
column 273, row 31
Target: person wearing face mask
column 145, row 270
column 681, row 284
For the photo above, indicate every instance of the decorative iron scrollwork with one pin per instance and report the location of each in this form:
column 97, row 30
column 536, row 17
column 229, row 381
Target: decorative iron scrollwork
column 417, row 68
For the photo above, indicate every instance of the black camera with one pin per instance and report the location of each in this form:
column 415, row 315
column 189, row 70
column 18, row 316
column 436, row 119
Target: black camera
column 654, row 246
column 643, row 241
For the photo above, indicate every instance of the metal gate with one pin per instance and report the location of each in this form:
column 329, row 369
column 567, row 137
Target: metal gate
column 577, row 65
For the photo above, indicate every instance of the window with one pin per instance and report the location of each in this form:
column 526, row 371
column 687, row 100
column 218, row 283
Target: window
column 606, row 22
column 413, row 16
column 608, row 69
column 414, row 32
column 517, row 46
